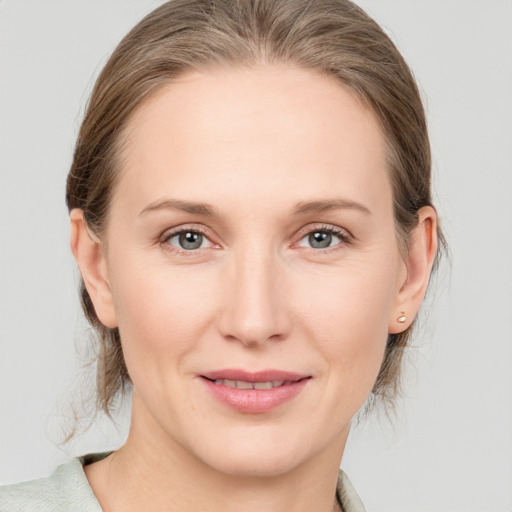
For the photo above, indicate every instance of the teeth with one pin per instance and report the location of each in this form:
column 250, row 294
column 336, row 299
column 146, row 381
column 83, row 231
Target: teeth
column 241, row 384
column 263, row 385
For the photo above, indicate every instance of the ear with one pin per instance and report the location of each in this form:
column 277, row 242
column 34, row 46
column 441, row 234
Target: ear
column 418, row 262
column 89, row 255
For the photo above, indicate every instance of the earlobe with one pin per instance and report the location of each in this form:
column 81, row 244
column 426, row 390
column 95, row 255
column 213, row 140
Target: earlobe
column 418, row 261
column 89, row 255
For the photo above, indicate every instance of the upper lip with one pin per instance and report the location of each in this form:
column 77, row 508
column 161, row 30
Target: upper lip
column 259, row 376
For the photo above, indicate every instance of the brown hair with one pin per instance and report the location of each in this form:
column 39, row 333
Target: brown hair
column 332, row 37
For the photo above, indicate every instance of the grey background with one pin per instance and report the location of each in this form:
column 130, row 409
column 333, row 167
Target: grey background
column 450, row 447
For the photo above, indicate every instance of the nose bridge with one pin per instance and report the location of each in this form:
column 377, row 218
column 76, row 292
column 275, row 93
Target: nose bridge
column 253, row 311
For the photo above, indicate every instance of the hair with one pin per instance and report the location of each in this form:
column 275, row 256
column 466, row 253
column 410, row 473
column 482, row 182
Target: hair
column 335, row 38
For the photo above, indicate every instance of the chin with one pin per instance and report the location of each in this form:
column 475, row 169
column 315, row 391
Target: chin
column 264, row 464
column 261, row 452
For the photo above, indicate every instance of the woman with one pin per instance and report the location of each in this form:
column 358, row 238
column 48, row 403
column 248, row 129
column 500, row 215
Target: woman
column 251, row 215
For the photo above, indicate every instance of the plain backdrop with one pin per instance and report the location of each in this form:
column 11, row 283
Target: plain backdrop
column 450, row 447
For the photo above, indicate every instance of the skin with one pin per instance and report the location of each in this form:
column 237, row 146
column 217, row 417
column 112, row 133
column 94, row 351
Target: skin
column 256, row 145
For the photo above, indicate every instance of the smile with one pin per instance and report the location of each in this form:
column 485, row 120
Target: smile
column 242, row 384
column 254, row 393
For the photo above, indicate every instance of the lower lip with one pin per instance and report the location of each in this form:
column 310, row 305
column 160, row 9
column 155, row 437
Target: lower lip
column 254, row 401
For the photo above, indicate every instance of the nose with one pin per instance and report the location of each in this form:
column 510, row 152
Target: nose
column 254, row 309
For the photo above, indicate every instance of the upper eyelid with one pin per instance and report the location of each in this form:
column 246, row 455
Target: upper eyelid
column 311, row 228
column 170, row 232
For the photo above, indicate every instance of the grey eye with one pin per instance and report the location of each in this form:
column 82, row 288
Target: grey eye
column 320, row 239
column 323, row 239
column 188, row 240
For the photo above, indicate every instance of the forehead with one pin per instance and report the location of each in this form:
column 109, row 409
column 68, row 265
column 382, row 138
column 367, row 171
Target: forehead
column 243, row 131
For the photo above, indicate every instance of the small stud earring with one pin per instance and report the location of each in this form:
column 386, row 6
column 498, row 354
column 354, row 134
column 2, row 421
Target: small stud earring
column 402, row 318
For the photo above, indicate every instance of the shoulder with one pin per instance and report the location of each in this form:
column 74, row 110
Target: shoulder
column 347, row 495
column 66, row 490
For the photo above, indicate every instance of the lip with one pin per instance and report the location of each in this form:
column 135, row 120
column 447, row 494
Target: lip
column 254, row 401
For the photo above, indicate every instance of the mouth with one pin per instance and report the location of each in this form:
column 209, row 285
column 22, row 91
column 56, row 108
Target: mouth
column 254, row 392
column 243, row 384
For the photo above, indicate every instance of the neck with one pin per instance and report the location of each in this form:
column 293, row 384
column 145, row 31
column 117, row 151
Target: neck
column 154, row 469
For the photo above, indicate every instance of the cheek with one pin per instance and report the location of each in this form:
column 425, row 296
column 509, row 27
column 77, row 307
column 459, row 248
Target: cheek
column 346, row 313
column 354, row 299
column 162, row 315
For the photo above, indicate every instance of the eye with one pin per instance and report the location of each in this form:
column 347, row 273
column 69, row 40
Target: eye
column 324, row 238
column 188, row 240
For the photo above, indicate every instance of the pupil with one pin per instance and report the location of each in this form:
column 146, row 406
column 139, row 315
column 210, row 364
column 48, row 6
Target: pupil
column 190, row 240
column 320, row 239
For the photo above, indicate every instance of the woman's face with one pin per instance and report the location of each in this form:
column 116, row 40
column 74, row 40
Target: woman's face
column 253, row 265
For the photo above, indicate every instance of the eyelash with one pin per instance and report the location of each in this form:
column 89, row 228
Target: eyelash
column 168, row 235
column 345, row 237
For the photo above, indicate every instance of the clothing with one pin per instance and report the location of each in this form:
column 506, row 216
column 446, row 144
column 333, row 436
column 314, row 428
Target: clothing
column 68, row 490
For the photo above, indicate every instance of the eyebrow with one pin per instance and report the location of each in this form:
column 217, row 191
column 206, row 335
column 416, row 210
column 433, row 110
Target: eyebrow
column 302, row 207
column 184, row 206
column 330, row 204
